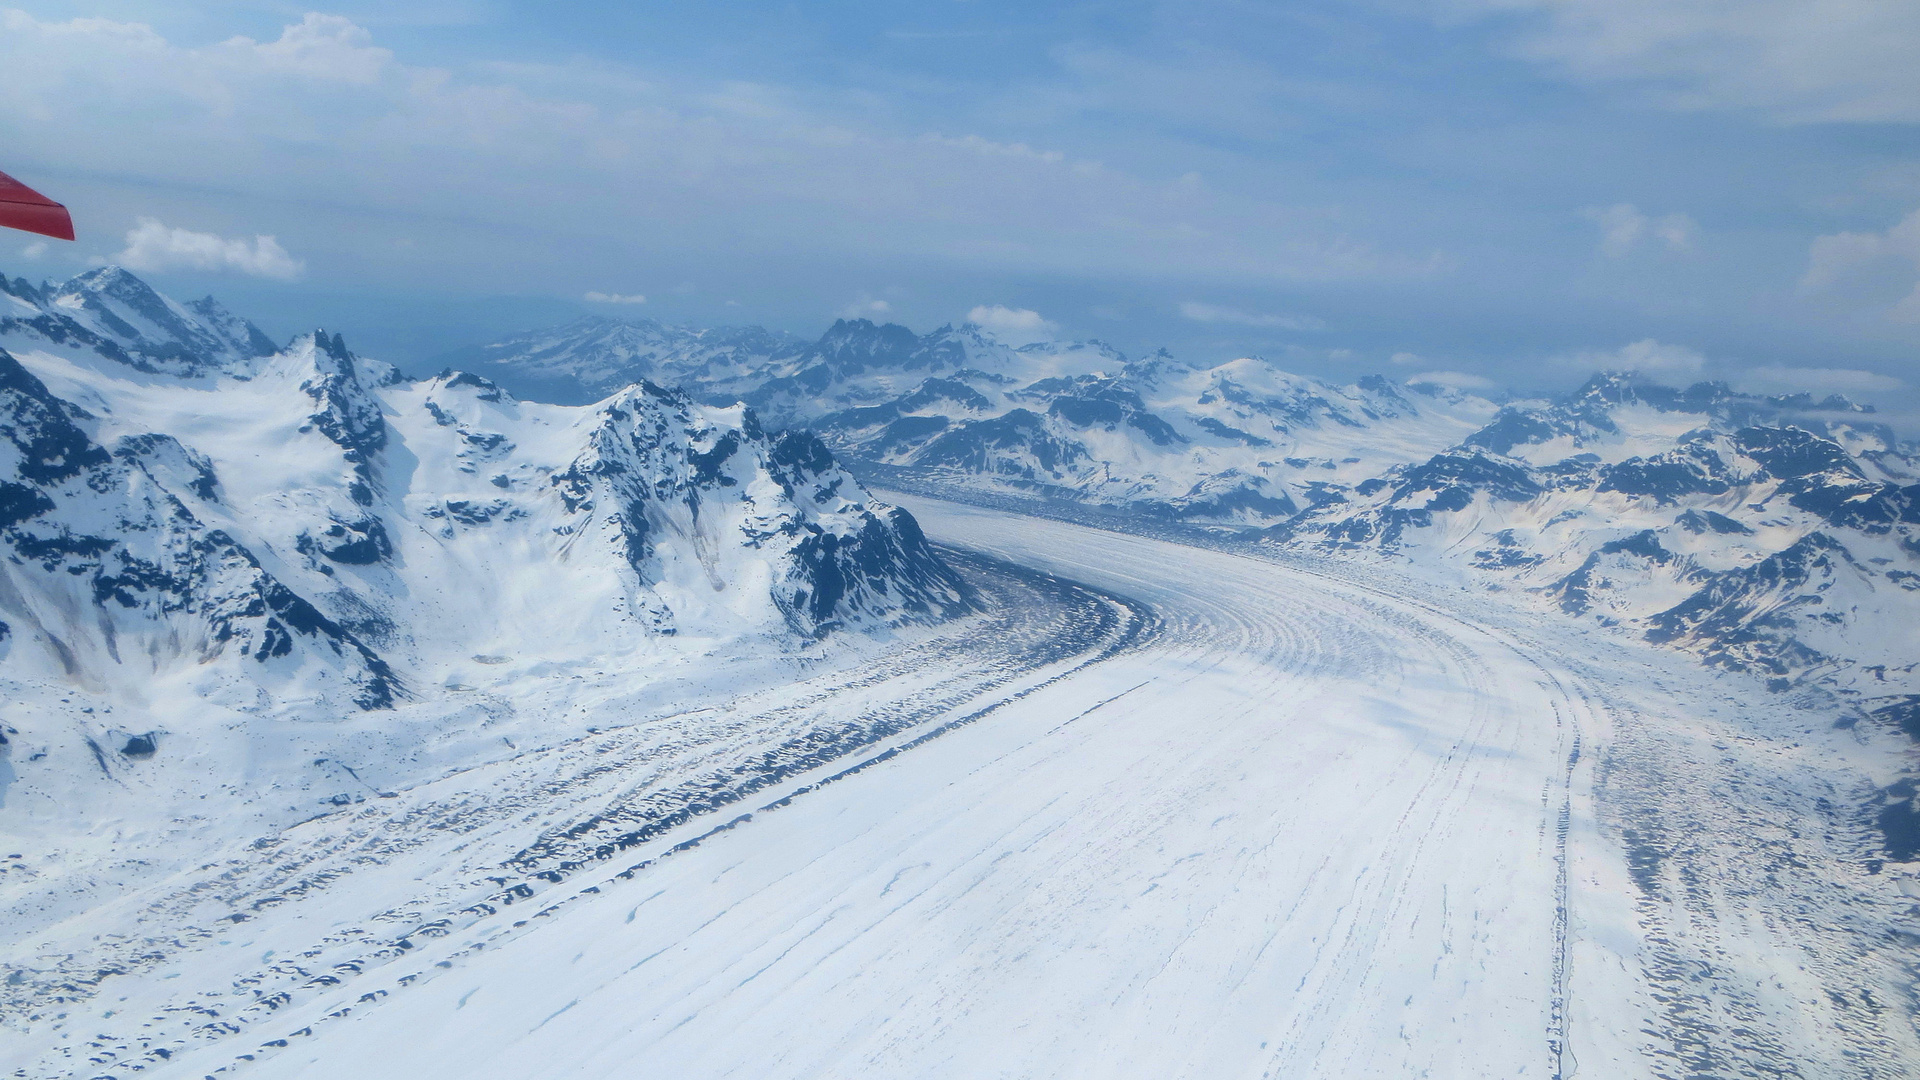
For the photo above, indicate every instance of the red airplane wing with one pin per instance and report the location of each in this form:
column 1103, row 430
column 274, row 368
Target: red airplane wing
column 23, row 208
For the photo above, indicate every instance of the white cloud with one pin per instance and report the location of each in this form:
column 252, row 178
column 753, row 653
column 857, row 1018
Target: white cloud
column 1215, row 313
column 614, row 298
column 318, row 47
column 1773, row 379
column 1797, row 60
column 1404, row 358
column 1831, row 258
column 1861, row 262
column 1646, row 356
column 1457, row 380
column 1623, row 227
column 152, row 246
column 1015, row 326
column 866, row 308
column 34, row 250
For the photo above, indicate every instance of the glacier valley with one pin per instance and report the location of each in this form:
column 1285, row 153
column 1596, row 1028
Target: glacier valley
column 717, row 703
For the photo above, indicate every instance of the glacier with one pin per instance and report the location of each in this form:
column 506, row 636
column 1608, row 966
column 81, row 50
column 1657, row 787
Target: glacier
column 588, row 712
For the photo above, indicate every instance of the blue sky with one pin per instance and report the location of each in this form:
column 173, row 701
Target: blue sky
column 1512, row 190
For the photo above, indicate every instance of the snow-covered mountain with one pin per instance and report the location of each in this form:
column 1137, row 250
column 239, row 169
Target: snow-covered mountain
column 1770, row 534
column 113, row 314
column 1779, row 536
column 203, row 544
column 1239, row 443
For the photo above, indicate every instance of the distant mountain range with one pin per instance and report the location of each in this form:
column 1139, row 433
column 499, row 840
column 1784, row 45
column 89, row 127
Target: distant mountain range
column 1239, row 443
column 1778, row 535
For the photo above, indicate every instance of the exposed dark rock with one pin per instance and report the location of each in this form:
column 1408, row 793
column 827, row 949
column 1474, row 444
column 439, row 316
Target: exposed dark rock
column 652, row 454
column 969, row 446
column 1103, row 403
column 51, row 448
column 485, row 389
column 1506, row 553
column 1705, row 521
column 361, row 542
column 347, row 413
column 1902, row 712
column 1214, row 427
column 1575, row 591
column 201, row 339
column 18, row 502
column 1512, row 427
column 1643, row 543
column 166, row 455
column 1898, row 816
column 1454, row 476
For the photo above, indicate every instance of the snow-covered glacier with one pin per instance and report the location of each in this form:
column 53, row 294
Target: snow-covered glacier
column 1185, row 721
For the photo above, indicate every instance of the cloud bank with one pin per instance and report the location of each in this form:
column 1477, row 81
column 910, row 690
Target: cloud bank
column 1015, row 326
column 1655, row 359
column 1623, row 228
column 1779, row 379
column 1216, row 313
column 152, row 247
column 1457, row 380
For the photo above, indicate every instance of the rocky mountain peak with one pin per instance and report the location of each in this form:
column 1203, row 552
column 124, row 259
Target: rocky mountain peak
column 111, row 313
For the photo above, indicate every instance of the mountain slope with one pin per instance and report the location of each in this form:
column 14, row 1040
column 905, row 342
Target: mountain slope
column 118, row 583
